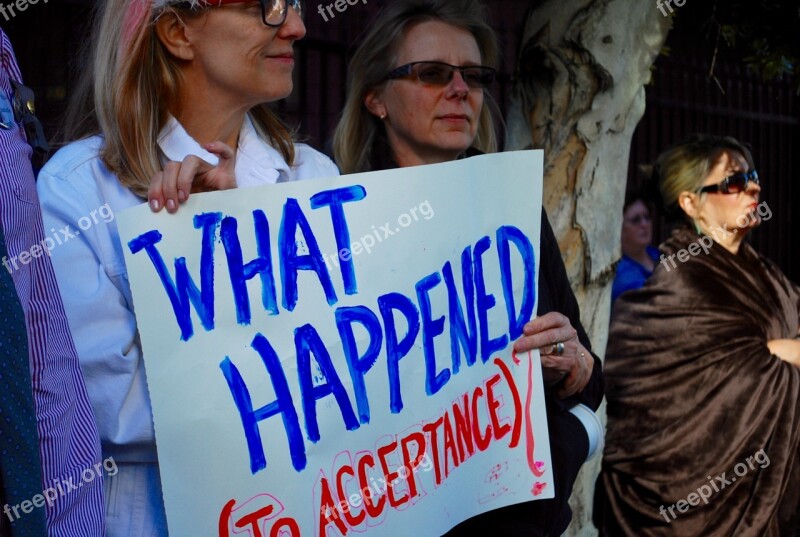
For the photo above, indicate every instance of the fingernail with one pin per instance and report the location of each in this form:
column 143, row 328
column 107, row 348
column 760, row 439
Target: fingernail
column 181, row 195
column 154, row 205
column 170, row 205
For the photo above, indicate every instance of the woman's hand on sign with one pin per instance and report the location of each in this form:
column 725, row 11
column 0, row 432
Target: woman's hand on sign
column 172, row 186
column 573, row 365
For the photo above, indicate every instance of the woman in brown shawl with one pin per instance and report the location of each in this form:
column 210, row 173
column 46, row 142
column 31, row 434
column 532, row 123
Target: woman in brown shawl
column 703, row 387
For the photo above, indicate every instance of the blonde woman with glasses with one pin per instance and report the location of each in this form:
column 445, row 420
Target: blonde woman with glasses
column 418, row 94
column 176, row 104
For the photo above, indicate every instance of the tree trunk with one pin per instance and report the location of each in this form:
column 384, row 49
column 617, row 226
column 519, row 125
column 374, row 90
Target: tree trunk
column 579, row 95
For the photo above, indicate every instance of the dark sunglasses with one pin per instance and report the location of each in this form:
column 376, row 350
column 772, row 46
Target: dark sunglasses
column 273, row 12
column 733, row 184
column 440, row 74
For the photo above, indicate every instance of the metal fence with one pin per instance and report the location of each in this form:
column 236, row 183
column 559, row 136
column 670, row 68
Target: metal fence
column 319, row 93
column 681, row 100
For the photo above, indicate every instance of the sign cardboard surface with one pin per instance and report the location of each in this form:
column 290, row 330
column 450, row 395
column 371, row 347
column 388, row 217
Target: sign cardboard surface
column 334, row 356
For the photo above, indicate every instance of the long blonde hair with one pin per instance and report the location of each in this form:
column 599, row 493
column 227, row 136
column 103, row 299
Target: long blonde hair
column 358, row 130
column 134, row 81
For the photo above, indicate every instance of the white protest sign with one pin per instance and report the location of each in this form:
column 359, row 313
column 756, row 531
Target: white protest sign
column 334, row 356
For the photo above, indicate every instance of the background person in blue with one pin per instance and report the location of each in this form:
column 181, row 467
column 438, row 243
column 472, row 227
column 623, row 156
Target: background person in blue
column 639, row 258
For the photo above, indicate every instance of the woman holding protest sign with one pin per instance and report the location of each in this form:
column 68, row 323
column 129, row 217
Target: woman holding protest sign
column 417, row 95
column 176, row 105
column 702, row 368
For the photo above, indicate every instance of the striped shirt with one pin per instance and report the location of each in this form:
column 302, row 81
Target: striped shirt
column 68, row 440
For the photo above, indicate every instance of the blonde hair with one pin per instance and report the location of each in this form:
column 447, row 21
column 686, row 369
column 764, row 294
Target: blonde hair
column 358, row 131
column 685, row 166
column 134, row 81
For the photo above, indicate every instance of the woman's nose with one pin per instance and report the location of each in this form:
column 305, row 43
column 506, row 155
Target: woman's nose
column 753, row 187
column 457, row 85
column 293, row 27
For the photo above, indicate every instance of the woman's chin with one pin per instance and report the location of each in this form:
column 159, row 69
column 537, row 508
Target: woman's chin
column 748, row 221
column 456, row 142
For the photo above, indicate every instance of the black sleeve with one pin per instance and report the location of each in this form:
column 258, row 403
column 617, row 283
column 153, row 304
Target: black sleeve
column 555, row 294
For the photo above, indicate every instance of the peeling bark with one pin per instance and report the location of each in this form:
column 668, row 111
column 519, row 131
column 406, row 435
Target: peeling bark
column 579, row 95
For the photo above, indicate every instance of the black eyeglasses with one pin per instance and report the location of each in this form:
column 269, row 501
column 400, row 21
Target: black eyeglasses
column 733, row 184
column 273, row 12
column 440, row 73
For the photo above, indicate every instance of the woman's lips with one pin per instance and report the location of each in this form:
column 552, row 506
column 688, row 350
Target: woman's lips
column 455, row 118
column 287, row 57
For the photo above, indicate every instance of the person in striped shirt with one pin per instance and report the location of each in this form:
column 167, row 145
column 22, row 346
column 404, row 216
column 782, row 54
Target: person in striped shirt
column 68, row 441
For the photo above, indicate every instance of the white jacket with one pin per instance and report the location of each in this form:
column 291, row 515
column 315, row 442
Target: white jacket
column 78, row 191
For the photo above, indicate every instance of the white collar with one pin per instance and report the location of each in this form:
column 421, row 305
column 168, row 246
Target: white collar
column 257, row 162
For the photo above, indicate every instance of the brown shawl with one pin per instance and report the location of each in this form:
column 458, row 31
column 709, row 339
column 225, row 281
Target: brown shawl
column 693, row 391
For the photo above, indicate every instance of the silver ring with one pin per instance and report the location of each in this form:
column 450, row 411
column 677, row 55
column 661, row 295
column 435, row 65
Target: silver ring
column 558, row 348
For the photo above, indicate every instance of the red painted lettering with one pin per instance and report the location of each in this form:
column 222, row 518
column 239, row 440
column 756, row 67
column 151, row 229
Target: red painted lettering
column 329, row 511
column 461, row 416
column 481, row 441
column 499, row 430
column 430, row 428
column 374, row 510
column 224, row 518
column 390, row 477
column 253, row 519
column 352, row 520
column 288, row 523
column 419, row 439
column 449, row 445
column 515, row 434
